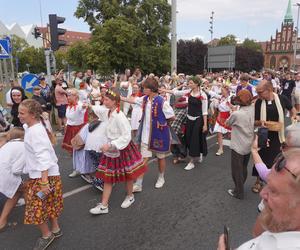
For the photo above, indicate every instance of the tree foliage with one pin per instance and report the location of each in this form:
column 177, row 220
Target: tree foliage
column 127, row 33
column 34, row 57
column 251, row 44
column 190, row 56
column 248, row 59
column 227, row 40
column 77, row 55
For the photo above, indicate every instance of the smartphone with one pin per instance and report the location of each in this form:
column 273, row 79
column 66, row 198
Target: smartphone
column 262, row 134
column 226, row 237
column 42, row 195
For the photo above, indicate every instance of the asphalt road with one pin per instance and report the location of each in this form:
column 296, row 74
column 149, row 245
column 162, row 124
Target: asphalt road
column 189, row 212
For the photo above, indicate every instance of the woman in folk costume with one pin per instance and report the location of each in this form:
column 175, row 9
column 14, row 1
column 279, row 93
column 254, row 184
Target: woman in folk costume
column 12, row 162
column 224, row 107
column 121, row 161
column 44, row 202
column 17, row 96
column 137, row 111
column 196, row 126
column 154, row 132
column 75, row 118
column 269, row 112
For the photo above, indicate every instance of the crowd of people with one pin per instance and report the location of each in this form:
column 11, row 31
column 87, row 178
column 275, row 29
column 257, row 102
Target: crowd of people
column 111, row 128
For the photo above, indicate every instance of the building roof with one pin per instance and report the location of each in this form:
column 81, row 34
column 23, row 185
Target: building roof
column 288, row 18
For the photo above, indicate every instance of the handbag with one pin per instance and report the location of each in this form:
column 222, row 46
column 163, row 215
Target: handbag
column 77, row 142
column 93, row 125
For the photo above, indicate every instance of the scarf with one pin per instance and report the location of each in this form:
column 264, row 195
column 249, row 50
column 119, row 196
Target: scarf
column 263, row 115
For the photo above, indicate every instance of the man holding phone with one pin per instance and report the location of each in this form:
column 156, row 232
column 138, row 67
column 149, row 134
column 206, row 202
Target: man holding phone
column 280, row 217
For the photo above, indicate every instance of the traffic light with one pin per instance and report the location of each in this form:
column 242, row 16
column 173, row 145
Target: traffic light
column 36, row 32
column 55, row 32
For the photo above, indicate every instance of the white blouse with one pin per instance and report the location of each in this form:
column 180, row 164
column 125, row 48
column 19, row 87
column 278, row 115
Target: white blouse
column 204, row 100
column 75, row 114
column 12, row 162
column 39, row 153
column 117, row 127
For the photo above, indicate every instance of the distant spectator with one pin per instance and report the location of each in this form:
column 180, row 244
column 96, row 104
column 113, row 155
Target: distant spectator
column 17, row 95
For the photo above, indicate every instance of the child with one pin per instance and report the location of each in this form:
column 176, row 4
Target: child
column 95, row 93
column 41, row 165
column 121, row 161
column 12, row 162
column 75, row 120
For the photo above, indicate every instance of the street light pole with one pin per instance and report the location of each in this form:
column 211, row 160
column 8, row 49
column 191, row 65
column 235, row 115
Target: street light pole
column 296, row 38
column 174, row 38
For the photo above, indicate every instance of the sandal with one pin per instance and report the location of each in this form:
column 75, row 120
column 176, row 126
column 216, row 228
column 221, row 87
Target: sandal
column 257, row 187
column 7, row 226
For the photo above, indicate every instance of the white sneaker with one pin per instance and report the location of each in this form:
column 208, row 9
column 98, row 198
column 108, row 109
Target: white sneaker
column 137, row 188
column 189, row 166
column 220, row 152
column 200, row 158
column 127, row 202
column 21, row 202
column 160, row 182
column 74, row 174
column 99, row 209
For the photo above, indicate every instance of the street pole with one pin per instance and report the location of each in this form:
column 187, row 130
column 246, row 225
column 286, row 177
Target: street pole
column 1, row 72
column 12, row 68
column 296, row 38
column 47, row 54
column 174, row 38
column 5, row 71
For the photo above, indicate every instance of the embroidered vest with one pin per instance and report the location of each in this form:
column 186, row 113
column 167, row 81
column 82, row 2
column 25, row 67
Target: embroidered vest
column 159, row 140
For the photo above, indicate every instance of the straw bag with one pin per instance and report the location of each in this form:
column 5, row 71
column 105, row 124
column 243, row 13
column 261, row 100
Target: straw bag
column 273, row 126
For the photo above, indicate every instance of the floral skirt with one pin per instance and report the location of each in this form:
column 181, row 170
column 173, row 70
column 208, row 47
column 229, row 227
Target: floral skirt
column 38, row 211
column 128, row 166
column 71, row 131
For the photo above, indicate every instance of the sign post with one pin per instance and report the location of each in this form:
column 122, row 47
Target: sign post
column 29, row 81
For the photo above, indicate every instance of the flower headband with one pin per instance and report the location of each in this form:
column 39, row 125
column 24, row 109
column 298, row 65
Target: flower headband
column 110, row 92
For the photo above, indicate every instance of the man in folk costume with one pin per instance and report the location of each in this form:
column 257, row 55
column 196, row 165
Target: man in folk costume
column 154, row 132
column 269, row 112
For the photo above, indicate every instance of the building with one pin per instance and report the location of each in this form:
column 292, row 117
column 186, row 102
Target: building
column 70, row 37
column 23, row 31
column 279, row 51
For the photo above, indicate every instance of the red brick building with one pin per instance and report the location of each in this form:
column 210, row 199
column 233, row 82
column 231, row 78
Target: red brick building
column 70, row 37
column 279, row 51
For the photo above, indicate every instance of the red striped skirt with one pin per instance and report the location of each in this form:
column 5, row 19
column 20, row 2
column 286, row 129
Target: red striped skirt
column 221, row 119
column 128, row 166
column 71, row 131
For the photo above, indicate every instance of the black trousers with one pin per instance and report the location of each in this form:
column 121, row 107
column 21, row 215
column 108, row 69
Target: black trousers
column 239, row 165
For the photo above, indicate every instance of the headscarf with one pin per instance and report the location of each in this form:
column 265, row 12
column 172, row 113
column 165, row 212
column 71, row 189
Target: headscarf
column 14, row 110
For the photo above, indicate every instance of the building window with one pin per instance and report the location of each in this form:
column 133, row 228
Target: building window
column 273, row 62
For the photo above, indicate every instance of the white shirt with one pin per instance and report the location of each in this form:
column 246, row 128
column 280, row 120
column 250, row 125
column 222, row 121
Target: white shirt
column 12, row 162
column 297, row 87
column 117, row 127
column 204, row 100
column 223, row 102
column 274, row 241
column 8, row 98
column 167, row 110
column 75, row 115
column 39, row 153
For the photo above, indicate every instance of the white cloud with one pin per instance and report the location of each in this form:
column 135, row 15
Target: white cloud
column 232, row 9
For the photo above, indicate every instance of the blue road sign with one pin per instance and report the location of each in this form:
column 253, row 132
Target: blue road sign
column 29, row 81
column 9, row 44
column 4, row 49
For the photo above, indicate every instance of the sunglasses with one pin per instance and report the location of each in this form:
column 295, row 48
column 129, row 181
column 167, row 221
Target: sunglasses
column 280, row 163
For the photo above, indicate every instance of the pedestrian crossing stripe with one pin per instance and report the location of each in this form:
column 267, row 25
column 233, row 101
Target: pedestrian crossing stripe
column 3, row 52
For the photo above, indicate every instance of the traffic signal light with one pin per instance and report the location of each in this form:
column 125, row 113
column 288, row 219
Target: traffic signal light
column 36, row 32
column 55, row 32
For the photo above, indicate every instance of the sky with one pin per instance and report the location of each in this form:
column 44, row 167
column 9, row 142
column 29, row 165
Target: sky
column 255, row 19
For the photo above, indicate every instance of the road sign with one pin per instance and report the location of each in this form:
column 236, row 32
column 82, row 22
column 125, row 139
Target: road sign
column 4, row 49
column 29, row 81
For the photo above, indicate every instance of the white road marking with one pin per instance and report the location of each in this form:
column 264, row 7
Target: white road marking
column 83, row 188
column 76, row 191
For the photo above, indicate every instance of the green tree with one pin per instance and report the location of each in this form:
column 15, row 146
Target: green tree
column 18, row 44
column 34, row 57
column 127, row 33
column 251, row 44
column 227, row 40
column 61, row 59
column 248, row 59
column 77, row 55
